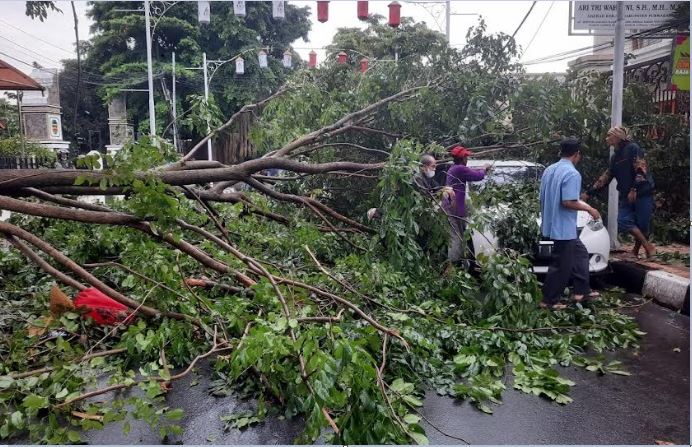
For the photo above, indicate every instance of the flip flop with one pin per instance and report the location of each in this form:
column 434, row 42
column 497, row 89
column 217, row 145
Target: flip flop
column 556, row 306
column 591, row 296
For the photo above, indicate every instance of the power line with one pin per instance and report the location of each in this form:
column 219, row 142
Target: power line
column 539, row 27
column 523, row 20
column 30, row 50
column 37, row 38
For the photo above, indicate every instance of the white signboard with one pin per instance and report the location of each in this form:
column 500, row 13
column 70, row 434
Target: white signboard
column 638, row 15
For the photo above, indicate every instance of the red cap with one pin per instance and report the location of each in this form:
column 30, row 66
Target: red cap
column 460, row 151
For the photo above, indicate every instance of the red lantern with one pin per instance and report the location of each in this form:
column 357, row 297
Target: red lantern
column 322, row 11
column 312, row 62
column 364, row 65
column 394, row 14
column 362, row 10
column 341, row 58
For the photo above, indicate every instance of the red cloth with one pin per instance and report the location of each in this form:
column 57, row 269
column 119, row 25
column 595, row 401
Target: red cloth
column 460, row 151
column 103, row 310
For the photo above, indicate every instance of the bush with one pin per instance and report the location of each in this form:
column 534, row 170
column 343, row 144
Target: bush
column 12, row 147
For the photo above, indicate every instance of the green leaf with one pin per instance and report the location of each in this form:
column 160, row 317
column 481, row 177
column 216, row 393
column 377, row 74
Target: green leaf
column 175, row 415
column 401, row 387
column 413, row 400
column 411, row 419
column 620, row 372
column 6, row 382
column 62, row 393
column 17, row 419
column 35, row 402
column 74, row 436
column 419, row 438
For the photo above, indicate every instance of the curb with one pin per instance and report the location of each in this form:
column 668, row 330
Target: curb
column 665, row 288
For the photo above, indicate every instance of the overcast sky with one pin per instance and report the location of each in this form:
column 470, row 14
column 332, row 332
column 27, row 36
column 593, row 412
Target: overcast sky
column 544, row 32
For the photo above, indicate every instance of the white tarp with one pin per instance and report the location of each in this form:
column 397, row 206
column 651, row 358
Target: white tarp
column 638, row 15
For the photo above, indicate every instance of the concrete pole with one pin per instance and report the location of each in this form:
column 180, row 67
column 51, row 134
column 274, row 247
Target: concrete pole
column 175, row 114
column 150, row 75
column 206, row 98
column 448, row 16
column 616, row 117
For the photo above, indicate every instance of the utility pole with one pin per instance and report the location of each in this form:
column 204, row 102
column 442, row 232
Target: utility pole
column 206, row 99
column 448, row 17
column 150, row 75
column 175, row 114
column 616, row 117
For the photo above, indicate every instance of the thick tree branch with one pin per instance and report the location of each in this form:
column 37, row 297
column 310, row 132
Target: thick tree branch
column 44, row 265
column 9, row 229
column 245, row 109
column 12, row 180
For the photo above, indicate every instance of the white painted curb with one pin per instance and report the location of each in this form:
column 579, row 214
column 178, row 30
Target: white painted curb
column 666, row 288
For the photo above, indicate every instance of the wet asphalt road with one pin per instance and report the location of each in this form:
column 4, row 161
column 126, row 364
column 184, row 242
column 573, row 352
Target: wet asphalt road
column 651, row 404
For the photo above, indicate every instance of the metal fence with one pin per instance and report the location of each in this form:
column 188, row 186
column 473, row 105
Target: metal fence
column 26, row 162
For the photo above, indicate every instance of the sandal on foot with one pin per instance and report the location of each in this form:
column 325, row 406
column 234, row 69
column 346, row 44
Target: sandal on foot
column 650, row 251
column 556, row 306
column 591, row 296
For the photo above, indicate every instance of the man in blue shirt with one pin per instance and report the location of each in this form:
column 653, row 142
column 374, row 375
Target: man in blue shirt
column 560, row 188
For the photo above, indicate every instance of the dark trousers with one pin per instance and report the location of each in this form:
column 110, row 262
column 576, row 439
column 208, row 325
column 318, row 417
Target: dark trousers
column 570, row 261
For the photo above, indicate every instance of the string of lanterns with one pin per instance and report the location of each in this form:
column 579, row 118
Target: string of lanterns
column 279, row 12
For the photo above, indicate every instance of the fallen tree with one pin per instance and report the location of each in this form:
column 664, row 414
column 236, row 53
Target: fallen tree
column 317, row 312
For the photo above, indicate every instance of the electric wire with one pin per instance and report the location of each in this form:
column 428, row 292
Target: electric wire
column 523, row 20
column 540, row 25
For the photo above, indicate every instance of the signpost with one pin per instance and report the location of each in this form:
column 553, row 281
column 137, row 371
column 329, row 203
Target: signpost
column 598, row 18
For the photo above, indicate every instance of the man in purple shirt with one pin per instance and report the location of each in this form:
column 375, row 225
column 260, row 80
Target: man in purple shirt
column 457, row 176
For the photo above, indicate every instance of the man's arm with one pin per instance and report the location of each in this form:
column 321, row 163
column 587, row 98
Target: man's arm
column 582, row 206
column 603, row 181
column 569, row 192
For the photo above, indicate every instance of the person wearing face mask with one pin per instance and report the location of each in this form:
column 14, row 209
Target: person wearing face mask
column 425, row 180
column 425, row 183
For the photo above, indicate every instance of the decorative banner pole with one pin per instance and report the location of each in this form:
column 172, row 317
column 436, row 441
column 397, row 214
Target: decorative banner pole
column 150, row 75
column 616, row 117
column 206, row 99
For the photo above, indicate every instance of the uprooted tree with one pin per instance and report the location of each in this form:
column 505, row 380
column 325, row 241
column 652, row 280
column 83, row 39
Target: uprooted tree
column 278, row 282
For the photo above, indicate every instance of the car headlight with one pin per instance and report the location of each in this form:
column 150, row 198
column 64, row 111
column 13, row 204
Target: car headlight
column 595, row 225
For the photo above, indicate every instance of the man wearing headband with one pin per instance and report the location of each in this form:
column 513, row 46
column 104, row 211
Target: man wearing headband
column 559, row 197
column 635, row 186
column 457, row 176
